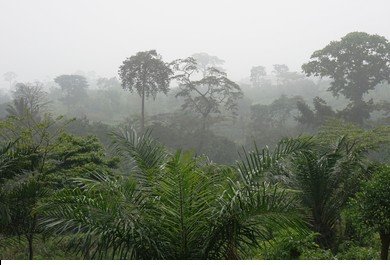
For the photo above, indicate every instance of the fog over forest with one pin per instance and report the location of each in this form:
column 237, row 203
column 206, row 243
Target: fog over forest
column 42, row 39
column 194, row 130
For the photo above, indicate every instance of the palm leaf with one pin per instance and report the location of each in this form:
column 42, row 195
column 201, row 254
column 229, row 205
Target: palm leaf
column 184, row 206
column 104, row 217
column 255, row 165
column 146, row 156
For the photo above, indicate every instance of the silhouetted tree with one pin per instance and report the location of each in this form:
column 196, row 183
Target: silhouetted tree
column 356, row 63
column 316, row 117
column 208, row 95
column 280, row 69
column 205, row 61
column 275, row 114
column 9, row 77
column 74, row 87
column 257, row 74
column 108, row 83
column 283, row 74
column 146, row 73
column 33, row 94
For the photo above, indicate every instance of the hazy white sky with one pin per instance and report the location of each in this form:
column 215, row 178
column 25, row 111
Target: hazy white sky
column 44, row 38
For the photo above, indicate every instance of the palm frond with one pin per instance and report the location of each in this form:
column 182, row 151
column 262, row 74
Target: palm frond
column 327, row 177
column 104, row 217
column 8, row 159
column 256, row 164
column 184, row 206
column 144, row 153
column 248, row 215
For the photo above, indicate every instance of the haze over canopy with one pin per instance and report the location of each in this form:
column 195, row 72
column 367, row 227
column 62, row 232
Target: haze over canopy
column 42, row 39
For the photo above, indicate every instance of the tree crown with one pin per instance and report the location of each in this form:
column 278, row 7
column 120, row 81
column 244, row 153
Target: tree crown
column 356, row 63
column 146, row 73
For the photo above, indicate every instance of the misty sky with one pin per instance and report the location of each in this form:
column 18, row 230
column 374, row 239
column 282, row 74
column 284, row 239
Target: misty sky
column 44, row 38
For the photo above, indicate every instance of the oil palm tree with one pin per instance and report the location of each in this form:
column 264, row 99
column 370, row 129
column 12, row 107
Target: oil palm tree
column 172, row 206
column 327, row 177
column 6, row 163
column 20, row 189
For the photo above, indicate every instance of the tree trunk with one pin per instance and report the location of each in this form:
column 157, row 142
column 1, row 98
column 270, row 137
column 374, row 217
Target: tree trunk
column 326, row 234
column 385, row 244
column 204, row 124
column 30, row 246
column 232, row 253
column 143, row 112
column 202, row 134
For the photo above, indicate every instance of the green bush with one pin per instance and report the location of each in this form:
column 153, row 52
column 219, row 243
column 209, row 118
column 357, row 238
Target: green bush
column 359, row 253
column 288, row 245
column 317, row 254
column 45, row 248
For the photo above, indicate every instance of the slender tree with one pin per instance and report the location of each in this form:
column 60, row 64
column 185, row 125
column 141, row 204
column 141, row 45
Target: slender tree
column 257, row 74
column 32, row 95
column 146, row 73
column 74, row 87
column 205, row 61
column 10, row 77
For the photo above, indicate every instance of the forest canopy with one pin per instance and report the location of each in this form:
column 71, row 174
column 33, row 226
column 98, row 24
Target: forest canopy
column 178, row 160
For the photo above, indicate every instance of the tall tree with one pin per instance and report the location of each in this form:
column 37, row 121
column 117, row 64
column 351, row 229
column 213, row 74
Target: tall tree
column 107, row 83
column 29, row 103
column 111, row 90
column 274, row 115
column 9, row 77
column 280, row 69
column 284, row 75
column 356, row 63
column 205, row 61
column 146, row 73
column 257, row 74
column 322, row 112
column 208, row 95
column 33, row 94
column 74, row 87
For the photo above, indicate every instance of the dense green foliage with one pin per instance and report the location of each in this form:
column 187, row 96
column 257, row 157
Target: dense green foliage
column 146, row 73
column 357, row 64
column 310, row 182
column 372, row 206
